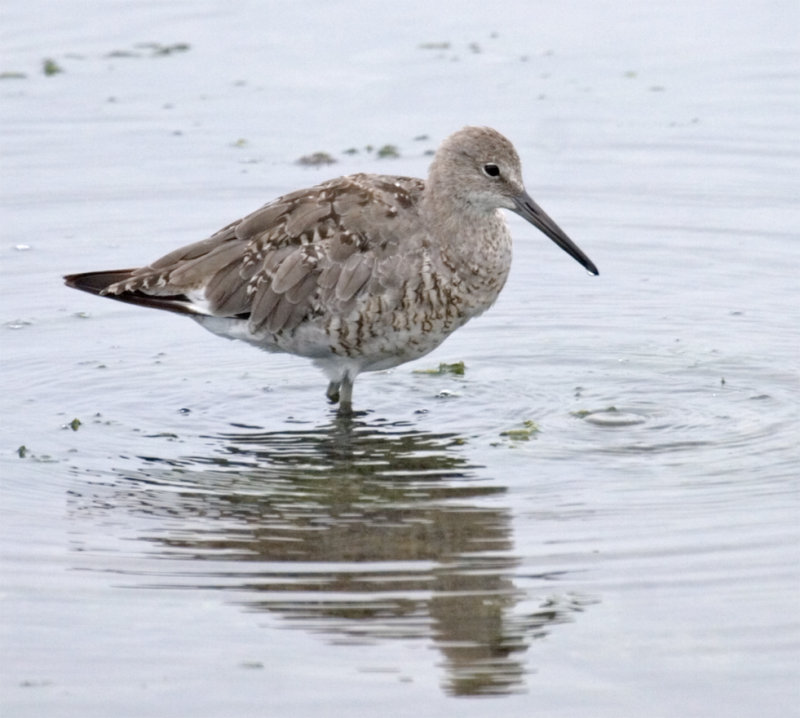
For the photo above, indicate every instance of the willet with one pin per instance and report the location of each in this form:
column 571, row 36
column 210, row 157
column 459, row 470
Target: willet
column 360, row 273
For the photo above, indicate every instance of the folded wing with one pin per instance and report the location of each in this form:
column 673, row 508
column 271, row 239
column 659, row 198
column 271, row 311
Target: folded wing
column 279, row 265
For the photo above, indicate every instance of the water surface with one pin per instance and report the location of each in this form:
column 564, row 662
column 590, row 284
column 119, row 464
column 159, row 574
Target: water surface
column 598, row 518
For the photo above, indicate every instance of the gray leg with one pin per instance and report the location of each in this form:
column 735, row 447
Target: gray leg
column 346, row 396
column 333, row 392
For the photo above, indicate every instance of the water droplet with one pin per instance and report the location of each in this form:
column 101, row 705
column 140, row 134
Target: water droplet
column 18, row 324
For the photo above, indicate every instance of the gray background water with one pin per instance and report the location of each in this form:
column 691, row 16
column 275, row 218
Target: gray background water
column 210, row 542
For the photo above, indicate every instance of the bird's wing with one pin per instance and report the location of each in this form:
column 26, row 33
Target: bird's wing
column 278, row 265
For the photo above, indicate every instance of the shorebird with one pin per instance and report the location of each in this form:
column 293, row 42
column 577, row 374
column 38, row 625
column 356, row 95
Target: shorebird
column 359, row 273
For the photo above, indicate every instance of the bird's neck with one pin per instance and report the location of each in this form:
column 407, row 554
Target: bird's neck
column 473, row 243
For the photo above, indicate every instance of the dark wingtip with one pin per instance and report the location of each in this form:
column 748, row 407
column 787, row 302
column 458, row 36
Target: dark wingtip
column 96, row 282
column 71, row 279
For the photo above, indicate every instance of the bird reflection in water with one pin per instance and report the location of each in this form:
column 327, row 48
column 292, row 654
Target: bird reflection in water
column 361, row 532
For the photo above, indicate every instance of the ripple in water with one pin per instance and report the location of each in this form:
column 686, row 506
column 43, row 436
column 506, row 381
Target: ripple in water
column 358, row 532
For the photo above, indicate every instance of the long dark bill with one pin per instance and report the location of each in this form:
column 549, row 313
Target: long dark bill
column 528, row 209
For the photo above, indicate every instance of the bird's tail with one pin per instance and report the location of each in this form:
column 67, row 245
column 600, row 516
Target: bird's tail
column 97, row 283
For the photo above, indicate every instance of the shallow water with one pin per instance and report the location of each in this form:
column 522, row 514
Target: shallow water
column 599, row 517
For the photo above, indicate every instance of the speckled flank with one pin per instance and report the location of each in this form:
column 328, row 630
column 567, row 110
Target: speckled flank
column 359, row 273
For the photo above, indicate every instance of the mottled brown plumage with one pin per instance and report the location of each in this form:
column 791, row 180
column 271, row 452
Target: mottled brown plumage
column 359, row 273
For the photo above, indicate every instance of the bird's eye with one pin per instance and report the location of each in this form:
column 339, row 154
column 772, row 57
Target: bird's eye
column 491, row 170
